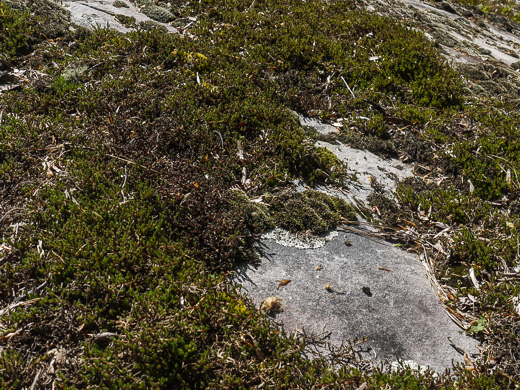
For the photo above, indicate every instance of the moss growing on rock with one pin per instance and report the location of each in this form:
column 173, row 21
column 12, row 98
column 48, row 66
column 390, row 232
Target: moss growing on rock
column 159, row 14
column 150, row 25
column 120, row 4
column 127, row 21
column 310, row 211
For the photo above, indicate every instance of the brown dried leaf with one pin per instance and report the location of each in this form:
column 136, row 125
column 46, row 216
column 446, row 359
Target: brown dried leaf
column 283, row 282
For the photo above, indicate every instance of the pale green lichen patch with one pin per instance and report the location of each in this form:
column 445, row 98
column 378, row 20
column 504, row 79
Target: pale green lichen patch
column 298, row 240
column 74, row 73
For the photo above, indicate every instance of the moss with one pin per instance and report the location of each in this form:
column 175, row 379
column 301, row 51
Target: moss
column 310, row 211
column 47, row 20
column 120, row 4
column 389, row 212
column 256, row 215
column 127, row 21
column 158, row 14
column 16, row 30
column 152, row 25
column 327, row 166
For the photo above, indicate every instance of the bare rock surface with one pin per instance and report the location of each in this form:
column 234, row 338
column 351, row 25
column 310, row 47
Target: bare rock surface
column 467, row 34
column 378, row 292
column 111, row 13
column 369, row 169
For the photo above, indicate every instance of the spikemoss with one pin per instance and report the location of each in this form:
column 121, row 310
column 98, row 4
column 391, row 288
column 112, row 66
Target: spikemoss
column 117, row 185
column 17, row 28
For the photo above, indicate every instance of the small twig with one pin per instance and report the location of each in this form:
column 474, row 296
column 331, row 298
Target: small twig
column 131, row 162
column 512, row 274
column 353, row 203
column 473, row 278
column 19, row 77
column 35, row 379
column 455, row 319
column 458, row 349
column 354, row 96
column 37, row 289
column 16, row 304
column 10, row 211
column 58, row 256
column 440, row 291
column 274, row 59
column 221, row 139
column 377, row 237
column 104, row 336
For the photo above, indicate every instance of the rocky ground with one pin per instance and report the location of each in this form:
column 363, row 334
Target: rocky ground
column 484, row 48
column 138, row 171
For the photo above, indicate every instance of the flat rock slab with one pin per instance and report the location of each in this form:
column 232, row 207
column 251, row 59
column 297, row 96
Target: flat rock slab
column 378, row 292
column 103, row 13
column 369, row 167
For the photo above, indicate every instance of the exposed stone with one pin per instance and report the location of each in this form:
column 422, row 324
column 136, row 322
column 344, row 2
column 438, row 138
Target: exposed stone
column 92, row 13
column 377, row 292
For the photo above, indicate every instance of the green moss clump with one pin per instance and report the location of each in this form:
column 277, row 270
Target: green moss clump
column 158, row 14
column 310, row 211
column 255, row 215
column 23, row 24
column 324, row 166
column 151, row 25
column 127, row 21
column 16, row 29
column 120, row 4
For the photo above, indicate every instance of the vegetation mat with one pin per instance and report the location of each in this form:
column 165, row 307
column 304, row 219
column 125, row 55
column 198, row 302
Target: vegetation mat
column 126, row 167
